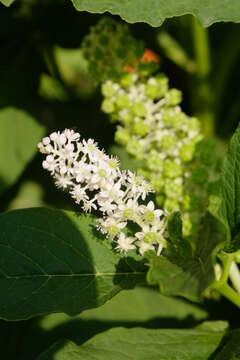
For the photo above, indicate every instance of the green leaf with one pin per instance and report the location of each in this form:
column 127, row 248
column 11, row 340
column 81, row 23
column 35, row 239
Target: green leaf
column 177, row 273
column 154, row 12
column 175, row 225
column 30, row 194
column 231, row 182
column 7, row 2
column 130, row 308
column 55, row 261
column 231, row 348
column 19, row 135
column 141, row 344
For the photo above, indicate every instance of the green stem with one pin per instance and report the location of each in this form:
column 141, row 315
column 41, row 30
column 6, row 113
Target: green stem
column 229, row 271
column 201, row 48
column 234, row 276
column 227, row 262
column 202, row 96
column 52, row 66
column 228, row 292
column 175, row 52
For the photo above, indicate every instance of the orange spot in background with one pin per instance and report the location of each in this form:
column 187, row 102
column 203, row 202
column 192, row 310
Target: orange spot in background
column 148, row 57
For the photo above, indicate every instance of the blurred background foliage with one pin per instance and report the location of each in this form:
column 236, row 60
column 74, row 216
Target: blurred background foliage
column 44, row 80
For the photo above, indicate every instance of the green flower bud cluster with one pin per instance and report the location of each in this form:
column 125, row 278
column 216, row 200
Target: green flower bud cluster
column 106, row 51
column 153, row 128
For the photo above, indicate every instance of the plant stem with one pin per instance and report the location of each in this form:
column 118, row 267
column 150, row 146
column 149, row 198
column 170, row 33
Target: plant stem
column 175, row 52
column 228, row 292
column 234, row 276
column 230, row 270
column 202, row 96
column 227, row 262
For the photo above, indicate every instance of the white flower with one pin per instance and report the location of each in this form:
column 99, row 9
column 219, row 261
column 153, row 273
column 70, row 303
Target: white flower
column 107, row 206
column 128, row 210
column 63, row 181
column 143, row 246
column 125, row 243
column 112, row 192
column 90, row 148
column 151, row 215
column 111, row 226
column 138, row 186
column 82, row 171
column 88, row 205
column 79, row 194
column 151, row 233
column 95, row 181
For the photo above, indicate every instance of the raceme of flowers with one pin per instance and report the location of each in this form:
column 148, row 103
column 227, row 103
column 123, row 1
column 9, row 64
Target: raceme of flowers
column 106, row 51
column 153, row 128
column 95, row 181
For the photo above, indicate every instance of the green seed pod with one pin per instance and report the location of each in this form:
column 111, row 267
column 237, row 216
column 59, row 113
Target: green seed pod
column 171, row 205
column 127, row 80
column 122, row 136
column 168, row 142
column 187, row 152
column 172, row 169
column 152, row 91
column 108, row 89
column 104, row 48
column 125, row 117
column 140, row 128
column 173, row 190
column 157, row 182
column 139, row 109
column 154, row 161
column 162, row 81
column 134, row 148
column 108, row 106
column 122, row 101
column 174, row 97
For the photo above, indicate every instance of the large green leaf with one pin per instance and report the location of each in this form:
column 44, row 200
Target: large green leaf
column 134, row 306
column 154, row 12
column 55, row 261
column 178, row 273
column 7, row 2
column 19, row 135
column 231, row 181
column 142, row 344
column 231, row 348
column 130, row 308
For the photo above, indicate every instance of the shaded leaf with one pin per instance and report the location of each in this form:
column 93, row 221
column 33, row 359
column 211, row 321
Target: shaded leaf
column 189, row 276
column 55, row 261
column 231, row 182
column 19, row 135
column 231, row 348
column 7, row 2
column 140, row 343
column 133, row 306
column 154, row 12
column 30, row 194
column 143, row 307
column 175, row 226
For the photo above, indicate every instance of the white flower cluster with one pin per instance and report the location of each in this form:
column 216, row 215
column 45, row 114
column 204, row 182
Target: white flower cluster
column 95, row 181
